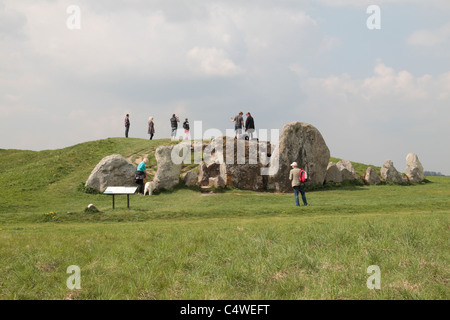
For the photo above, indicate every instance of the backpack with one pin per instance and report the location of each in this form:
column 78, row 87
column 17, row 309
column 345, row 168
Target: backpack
column 303, row 177
column 139, row 176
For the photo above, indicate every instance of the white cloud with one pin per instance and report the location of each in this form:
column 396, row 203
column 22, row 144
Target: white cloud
column 365, row 3
column 429, row 38
column 382, row 116
column 212, row 62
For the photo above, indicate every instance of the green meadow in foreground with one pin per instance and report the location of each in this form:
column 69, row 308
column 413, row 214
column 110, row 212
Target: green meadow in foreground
column 228, row 245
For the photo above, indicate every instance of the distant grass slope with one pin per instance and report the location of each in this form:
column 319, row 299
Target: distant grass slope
column 360, row 168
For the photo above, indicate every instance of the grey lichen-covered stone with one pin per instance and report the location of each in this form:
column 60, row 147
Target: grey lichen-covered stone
column 303, row 143
column 414, row 169
column 347, row 170
column 333, row 173
column 91, row 209
column 113, row 170
column 371, row 177
column 169, row 163
column 389, row 173
column 190, row 178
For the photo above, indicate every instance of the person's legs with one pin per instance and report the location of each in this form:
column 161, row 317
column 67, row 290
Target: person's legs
column 151, row 136
column 250, row 133
column 141, row 186
column 302, row 191
column 127, row 128
column 297, row 203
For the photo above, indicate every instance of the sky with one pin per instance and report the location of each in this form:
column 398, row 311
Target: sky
column 373, row 93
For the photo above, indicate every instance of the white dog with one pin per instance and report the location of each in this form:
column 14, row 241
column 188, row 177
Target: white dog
column 150, row 186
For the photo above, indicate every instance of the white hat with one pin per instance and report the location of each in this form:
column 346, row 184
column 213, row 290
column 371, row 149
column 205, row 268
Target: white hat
column 294, row 164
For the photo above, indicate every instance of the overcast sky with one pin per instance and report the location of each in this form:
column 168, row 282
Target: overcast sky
column 373, row 94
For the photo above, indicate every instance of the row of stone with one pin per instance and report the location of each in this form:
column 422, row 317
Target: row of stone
column 344, row 170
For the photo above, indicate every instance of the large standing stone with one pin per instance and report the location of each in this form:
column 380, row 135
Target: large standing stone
column 371, row 176
column 169, row 165
column 113, row 170
column 333, row 173
column 303, row 143
column 347, row 170
column 414, row 169
column 389, row 173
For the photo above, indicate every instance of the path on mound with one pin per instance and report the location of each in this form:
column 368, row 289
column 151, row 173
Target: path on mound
column 137, row 158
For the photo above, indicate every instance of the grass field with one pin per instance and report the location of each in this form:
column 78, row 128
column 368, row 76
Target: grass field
column 229, row 245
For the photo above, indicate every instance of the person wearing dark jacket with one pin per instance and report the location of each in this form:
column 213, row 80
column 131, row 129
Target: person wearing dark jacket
column 186, row 128
column 249, row 125
column 174, row 125
column 151, row 127
column 127, row 125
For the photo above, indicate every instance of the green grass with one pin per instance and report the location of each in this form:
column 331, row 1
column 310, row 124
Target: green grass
column 230, row 245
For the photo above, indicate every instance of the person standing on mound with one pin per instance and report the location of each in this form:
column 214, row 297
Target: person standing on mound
column 151, row 127
column 186, row 128
column 127, row 125
column 174, row 125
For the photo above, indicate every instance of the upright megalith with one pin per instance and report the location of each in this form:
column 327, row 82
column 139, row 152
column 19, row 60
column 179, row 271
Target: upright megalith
column 347, row 170
column 169, row 162
column 389, row 173
column 414, row 169
column 113, row 170
column 371, row 176
column 333, row 173
column 303, row 143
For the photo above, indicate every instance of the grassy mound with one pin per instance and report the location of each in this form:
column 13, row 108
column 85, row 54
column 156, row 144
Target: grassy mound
column 30, row 178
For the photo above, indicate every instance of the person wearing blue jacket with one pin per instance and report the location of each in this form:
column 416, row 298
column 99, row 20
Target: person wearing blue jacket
column 140, row 175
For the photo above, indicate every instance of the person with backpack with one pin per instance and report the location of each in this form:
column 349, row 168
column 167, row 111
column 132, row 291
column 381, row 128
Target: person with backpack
column 140, row 175
column 186, row 129
column 174, row 125
column 298, row 177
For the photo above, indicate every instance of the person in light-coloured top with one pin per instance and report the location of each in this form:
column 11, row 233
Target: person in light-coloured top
column 297, row 185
